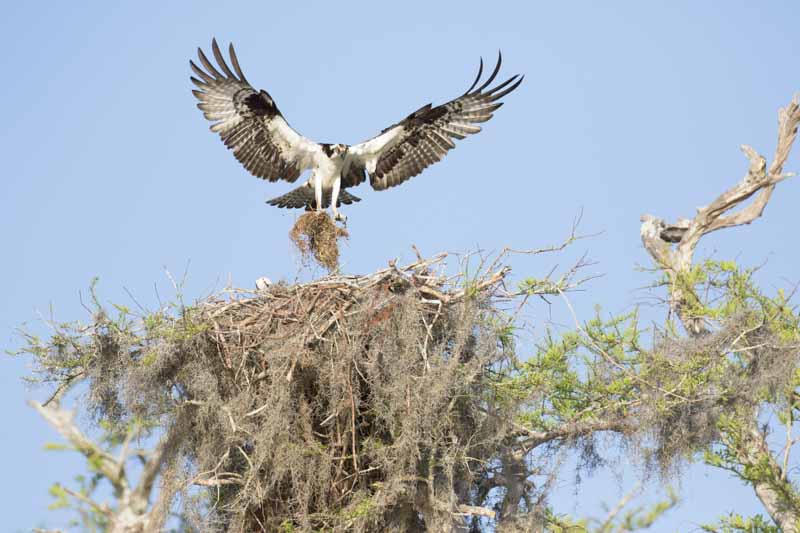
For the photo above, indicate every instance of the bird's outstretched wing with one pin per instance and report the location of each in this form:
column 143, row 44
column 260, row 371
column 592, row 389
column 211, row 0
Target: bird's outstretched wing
column 424, row 137
column 249, row 122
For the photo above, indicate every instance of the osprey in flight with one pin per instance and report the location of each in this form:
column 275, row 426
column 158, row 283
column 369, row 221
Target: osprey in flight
column 249, row 123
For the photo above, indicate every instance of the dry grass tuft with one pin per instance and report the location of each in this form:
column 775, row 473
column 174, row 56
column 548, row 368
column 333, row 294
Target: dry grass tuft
column 316, row 236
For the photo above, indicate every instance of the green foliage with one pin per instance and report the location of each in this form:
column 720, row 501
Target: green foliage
column 736, row 523
column 536, row 286
column 643, row 518
column 577, row 377
column 360, row 508
column 60, row 496
column 729, row 292
column 668, row 398
column 91, row 519
column 56, row 447
column 701, row 393
column 619, row 520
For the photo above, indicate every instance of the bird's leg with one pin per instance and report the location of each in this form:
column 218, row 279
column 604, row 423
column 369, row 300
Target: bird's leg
column 335, row 200
column 318, row 193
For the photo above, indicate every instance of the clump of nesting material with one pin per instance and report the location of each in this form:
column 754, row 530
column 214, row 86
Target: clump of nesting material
column 316, row 236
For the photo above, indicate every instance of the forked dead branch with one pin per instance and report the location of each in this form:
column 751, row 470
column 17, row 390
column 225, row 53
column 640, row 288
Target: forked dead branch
column 760, row 181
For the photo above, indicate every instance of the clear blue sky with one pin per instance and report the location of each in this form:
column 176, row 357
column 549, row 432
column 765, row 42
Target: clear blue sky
column 109, row 170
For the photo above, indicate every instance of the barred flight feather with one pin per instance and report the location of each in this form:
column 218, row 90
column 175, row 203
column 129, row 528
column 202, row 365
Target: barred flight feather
column 425, row 136
column 248, row 121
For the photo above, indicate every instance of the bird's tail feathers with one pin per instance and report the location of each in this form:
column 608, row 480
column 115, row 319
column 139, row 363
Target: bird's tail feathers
column 303, row 196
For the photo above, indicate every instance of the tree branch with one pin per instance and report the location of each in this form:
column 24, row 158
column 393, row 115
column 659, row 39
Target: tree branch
column 771, row 487
column 62, row 421
column 612, row 514
column 657, row 235
column 471, row 510
column 515, row 480
column 676, row 262
column 572, row 431
column 133, row 505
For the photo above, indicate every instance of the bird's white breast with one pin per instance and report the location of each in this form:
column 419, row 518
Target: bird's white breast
column 328, row 170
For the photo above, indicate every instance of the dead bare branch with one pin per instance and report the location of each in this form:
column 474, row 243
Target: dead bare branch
column 657, row 236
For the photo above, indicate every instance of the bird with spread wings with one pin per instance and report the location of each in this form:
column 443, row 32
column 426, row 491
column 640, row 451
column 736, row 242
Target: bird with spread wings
column 249, row 123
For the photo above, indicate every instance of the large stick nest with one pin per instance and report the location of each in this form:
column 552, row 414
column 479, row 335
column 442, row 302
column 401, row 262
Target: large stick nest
column 348, row 403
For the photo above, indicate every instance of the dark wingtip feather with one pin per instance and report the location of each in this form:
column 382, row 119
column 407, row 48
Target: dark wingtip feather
column 236, row 67
column 493, row 76
column 221, row 60
column 508, row 90
column 197, row 82
column 478, row 77
column 200, row 72
column 207, row 64
column 493, row 90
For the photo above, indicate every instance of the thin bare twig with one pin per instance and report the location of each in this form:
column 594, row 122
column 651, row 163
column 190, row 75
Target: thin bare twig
column 612, row 514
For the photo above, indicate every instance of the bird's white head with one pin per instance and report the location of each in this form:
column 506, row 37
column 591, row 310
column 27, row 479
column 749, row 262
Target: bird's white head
column 335, row 150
